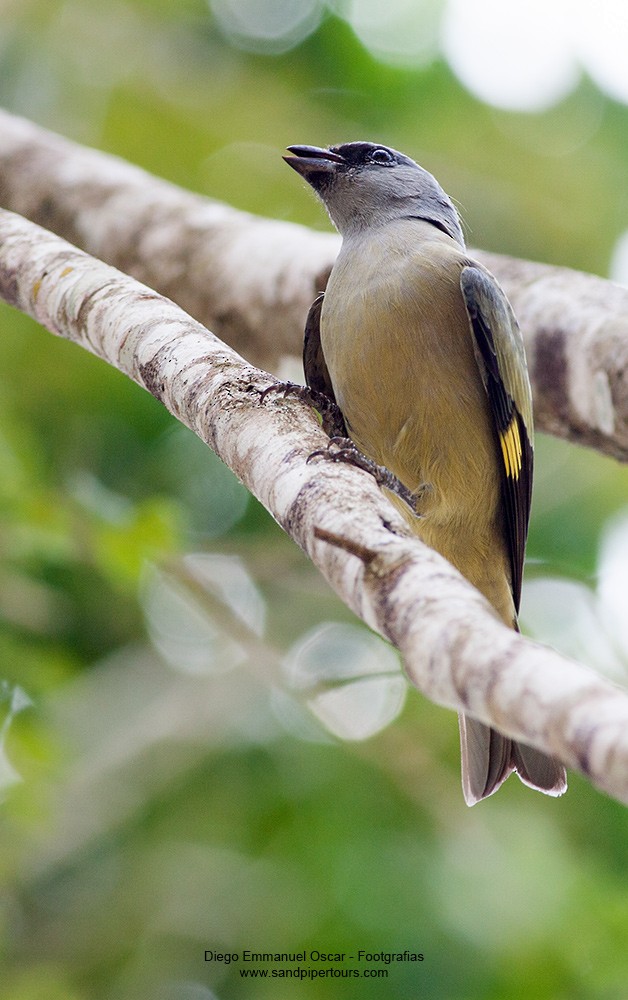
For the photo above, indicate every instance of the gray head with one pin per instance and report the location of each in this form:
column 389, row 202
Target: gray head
column 363, row 184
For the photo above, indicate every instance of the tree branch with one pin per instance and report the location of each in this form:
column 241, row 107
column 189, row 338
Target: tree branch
column 238, row 274
column 252, row 280
column 454, row 648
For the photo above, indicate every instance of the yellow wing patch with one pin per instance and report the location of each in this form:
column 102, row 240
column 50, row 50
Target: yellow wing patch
column 510, row 441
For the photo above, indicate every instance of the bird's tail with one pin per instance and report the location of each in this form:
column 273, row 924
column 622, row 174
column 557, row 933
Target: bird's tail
column 488, row 758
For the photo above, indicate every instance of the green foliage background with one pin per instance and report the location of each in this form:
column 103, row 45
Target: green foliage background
column 152, row 810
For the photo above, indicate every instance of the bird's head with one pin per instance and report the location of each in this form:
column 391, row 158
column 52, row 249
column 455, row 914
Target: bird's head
column 363, row 184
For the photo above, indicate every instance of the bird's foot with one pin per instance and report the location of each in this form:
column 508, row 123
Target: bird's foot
column 342, row 449
column 331, row 416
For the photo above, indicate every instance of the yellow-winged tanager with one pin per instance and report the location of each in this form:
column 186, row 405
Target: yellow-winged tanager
column 419, row 348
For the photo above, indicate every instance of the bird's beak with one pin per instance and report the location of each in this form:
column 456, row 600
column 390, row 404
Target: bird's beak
column 312, row 159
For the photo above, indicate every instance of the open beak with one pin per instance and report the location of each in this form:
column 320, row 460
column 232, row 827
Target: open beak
column 312, row 159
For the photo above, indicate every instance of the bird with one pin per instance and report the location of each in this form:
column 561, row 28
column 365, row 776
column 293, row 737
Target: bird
column 418, row 347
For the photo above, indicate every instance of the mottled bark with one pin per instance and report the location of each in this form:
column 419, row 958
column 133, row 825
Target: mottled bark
column 453, row 647
column 252, row 280
column 249, row 279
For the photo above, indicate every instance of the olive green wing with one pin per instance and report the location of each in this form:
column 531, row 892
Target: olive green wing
column 501, row 359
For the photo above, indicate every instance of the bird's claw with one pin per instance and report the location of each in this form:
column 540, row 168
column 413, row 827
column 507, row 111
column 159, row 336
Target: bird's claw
column 342, row 449
column 331, row 416
column 285, row 388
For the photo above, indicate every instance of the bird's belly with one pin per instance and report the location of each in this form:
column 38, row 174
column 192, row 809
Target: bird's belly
column 413, row 401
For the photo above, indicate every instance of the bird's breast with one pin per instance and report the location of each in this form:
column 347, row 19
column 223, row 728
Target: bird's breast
column 397, row 342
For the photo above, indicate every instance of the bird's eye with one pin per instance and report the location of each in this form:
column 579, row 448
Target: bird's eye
column 382, row 155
